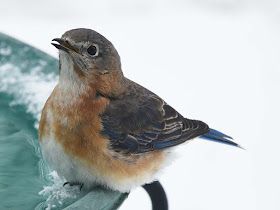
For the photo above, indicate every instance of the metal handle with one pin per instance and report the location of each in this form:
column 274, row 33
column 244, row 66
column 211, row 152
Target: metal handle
column 157, row 195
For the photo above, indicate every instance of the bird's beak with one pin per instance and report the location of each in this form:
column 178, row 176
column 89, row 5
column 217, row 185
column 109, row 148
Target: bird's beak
column 64, row 45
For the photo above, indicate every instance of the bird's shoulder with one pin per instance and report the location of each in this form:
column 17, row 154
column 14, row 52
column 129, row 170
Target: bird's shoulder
column 135, row 110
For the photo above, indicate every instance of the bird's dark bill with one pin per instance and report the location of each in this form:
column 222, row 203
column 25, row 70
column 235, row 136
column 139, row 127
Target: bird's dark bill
column 64, row 45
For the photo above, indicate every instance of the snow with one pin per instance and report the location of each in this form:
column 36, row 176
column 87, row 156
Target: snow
column 32, row 89
column 57, row 194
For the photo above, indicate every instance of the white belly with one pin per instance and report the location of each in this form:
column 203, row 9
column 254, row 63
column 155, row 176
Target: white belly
column 66, row 167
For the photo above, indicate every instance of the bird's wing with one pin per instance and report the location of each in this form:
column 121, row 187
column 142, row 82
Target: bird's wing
column 140, row 123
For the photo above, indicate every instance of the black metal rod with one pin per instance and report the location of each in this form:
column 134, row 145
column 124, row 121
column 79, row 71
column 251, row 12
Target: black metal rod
column 157, row 195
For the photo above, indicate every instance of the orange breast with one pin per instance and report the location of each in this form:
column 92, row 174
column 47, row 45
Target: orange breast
column 77, row 128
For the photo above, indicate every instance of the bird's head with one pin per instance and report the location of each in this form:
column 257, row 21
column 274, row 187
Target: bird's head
column 88, row 58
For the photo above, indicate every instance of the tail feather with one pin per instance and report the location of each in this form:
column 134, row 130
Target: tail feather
column 219, row 137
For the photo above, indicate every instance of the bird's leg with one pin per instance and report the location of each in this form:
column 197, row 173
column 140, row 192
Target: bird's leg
column 74, row 184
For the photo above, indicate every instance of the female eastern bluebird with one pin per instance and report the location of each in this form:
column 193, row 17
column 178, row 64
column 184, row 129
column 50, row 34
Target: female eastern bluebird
column 98, row 127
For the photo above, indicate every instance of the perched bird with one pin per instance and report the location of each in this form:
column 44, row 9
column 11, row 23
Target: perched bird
column 98, row 127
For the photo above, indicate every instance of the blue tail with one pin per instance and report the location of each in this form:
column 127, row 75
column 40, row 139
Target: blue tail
column 219, row 137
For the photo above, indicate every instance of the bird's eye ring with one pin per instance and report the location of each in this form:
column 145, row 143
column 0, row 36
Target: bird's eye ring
column 92, row 50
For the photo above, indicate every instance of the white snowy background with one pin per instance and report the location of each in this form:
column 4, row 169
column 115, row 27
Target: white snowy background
column 213, row 60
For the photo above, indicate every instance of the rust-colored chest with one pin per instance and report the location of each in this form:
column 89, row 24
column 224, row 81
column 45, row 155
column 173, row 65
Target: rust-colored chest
column 74, row 122
column 76, row 128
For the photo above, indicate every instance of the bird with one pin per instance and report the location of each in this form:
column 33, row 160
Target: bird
column 100, row 128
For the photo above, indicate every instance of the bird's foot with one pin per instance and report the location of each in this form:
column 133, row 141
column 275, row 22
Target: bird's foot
column 74, row 184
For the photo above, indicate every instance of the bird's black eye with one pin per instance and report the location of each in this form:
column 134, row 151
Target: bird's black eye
column 92, row 50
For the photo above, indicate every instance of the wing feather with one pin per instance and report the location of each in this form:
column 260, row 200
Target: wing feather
column 140, row 123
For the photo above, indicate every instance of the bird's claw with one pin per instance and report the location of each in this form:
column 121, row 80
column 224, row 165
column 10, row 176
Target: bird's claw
column 74, row 184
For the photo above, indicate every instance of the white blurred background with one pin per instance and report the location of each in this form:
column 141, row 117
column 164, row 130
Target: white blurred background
column 213, row 60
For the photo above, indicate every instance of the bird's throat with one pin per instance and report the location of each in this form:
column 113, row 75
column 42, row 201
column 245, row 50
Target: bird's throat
column 71, row 79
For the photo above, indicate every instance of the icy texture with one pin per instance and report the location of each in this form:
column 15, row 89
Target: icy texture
column 30, row 89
